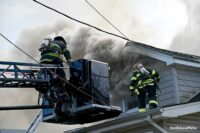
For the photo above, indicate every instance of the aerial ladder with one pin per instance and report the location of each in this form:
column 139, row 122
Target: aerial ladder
column 84, row 98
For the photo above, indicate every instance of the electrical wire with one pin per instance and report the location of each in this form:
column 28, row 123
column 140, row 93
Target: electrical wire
column 125, row 38
column 48, row 68
column 189, row 31
column 25, row 107
column 18, row 48
column 81, row 21
column 106, row 19
column 188, row 15
column 57, row 74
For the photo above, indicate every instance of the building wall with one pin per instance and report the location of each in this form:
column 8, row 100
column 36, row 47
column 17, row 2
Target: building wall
column 188, row 81
column 178, row 84
column 168, row 87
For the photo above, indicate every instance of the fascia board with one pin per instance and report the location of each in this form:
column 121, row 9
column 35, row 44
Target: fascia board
column 151, row 53
column 120, row 126
column 180, row 110
column 129, row 120
column 162, row 57
column 187, row 63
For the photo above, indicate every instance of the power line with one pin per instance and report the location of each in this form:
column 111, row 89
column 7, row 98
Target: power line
column 106, row 19
column 189, row 31
column 188, row 14
column 125, row 38
column 25, row 107
column 80, row 21
column 18, row 48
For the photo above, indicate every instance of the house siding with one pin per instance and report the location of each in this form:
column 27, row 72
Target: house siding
column 188, row 81
column 167, row 96
column 178, row 84
column 167, row 85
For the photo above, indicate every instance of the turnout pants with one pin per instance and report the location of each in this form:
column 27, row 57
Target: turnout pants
column 153, row 102
column 60, row 80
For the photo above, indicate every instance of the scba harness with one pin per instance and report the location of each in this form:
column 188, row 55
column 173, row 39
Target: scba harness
column 45, row 46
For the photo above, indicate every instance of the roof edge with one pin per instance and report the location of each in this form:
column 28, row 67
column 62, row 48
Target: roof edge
column 180, row 110
column 137, row 118
column 170, row 57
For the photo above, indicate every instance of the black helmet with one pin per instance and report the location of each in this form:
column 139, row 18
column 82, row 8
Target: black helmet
column 60, row 38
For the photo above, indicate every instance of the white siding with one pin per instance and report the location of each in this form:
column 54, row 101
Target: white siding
column 168, row 87
column 188, row 81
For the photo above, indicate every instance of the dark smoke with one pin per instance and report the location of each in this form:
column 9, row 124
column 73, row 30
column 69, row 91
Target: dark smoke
column 188, row 40
column 87, row 43
column 14, row 97
column 83, row 43
column 30, row 39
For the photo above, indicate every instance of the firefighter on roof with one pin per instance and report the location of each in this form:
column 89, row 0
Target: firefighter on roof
column 144, row 81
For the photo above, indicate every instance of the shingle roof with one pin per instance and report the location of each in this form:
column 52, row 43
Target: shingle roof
column 174, row 54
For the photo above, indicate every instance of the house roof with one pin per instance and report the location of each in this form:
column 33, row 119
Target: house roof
column 118, row 122
column 195, row 98
column 134, row 119
column 173, row 54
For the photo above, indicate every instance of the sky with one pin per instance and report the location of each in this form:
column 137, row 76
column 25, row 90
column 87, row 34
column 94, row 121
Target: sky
column 150, row 21
column 154, row 22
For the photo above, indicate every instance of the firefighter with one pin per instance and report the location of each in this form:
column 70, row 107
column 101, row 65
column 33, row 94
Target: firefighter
column 52, row 52
column 144, row 81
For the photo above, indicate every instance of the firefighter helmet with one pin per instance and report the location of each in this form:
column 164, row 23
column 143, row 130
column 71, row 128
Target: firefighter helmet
column 60, row 38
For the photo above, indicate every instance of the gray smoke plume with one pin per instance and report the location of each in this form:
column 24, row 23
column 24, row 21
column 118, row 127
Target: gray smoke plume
column 83, row 42
column 13, row 97
column 187, row 41
column 30, row 39
column 86, row 43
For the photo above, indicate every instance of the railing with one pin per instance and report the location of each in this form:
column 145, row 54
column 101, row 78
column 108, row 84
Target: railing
column 17, row 74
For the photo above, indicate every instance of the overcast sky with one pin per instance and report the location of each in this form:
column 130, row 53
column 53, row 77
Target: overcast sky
column 149, row 21
column 154, row 22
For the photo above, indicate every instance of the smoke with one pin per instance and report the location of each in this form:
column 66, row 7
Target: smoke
column 83, row 42
column 187, row 41
column 13, row 97
column 30, row 39
column 90, row 44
